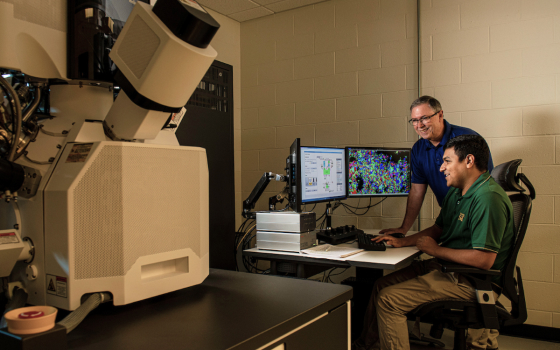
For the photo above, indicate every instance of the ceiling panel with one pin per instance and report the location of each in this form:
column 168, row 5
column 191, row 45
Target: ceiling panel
column 290, row 4
column 244, row 10
column 251, row 14
column 266, row 2
column 227, row 7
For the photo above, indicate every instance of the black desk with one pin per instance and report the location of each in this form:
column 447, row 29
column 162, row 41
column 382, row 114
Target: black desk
column 229, row 310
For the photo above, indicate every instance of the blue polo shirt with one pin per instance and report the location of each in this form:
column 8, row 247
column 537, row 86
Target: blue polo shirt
column 427, row 159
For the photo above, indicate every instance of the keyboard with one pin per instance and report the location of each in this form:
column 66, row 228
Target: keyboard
column 339, row 235
column 364, row 242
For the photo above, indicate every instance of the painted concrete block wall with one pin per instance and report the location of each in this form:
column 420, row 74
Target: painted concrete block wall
column 337, row 73
column 495, row 67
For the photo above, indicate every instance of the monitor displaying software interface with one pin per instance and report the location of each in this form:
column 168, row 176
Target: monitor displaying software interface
column 322, row 174
column 378, row 172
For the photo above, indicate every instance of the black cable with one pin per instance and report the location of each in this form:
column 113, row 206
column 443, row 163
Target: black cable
column 321, row 217
column 239, row 234
column 246, row 245
column 284, row 209
column 242, row 226
column 323, row 222
column 336, row 274
column 99, row 61
column 357, row 207
column 311, row 208
column 324, row 276
column 349, row 208
column 350, row 211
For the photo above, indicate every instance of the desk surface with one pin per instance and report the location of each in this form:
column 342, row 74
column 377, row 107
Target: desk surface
column 390, row 259
column 229, row 310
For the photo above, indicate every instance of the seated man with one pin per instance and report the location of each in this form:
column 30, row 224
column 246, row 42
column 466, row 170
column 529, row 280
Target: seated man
column 474, row 227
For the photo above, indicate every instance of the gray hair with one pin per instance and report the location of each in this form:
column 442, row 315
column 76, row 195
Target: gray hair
column 429, row 100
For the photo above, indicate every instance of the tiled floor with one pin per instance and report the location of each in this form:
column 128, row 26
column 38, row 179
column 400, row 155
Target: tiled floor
column 504, row 342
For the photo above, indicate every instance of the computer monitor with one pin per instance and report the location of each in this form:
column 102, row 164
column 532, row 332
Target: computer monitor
column 322, row 174
column 374, row 171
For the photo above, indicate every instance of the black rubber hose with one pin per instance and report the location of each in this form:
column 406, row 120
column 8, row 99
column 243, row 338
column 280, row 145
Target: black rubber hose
column 77, row 316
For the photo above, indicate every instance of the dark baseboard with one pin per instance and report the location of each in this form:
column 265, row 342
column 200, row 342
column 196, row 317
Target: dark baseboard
column 532, row 332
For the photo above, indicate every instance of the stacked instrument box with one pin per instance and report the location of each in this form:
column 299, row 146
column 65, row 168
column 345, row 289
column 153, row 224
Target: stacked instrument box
column 286, row 231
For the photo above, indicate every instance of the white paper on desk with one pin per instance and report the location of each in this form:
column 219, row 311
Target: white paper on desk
column 328, row 251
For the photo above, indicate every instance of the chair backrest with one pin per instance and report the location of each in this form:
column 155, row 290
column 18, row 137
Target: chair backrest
column 522, row 206
column 505, row 175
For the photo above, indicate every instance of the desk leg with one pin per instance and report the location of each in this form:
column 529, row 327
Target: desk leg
column 349, row 331
column 300, row 271
column 365, row 274
column 273, row 268
column 363, row 286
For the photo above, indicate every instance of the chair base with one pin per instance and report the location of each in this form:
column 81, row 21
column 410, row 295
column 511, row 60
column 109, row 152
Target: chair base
column 460, row 339
column 425, row 340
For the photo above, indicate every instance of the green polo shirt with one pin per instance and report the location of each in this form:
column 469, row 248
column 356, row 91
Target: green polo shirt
column 481, row 219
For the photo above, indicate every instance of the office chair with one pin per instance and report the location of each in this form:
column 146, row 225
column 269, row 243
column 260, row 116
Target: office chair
column 459, row 315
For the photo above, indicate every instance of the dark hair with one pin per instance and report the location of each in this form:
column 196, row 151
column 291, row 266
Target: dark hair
column 429, row 100
column 470, row 144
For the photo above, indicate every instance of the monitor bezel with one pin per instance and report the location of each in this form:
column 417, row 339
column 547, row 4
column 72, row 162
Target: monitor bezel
column 294, row 176
column 300, row 170
column 347, row 171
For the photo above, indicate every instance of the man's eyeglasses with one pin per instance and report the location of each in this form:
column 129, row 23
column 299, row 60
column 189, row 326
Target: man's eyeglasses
column 424, row 120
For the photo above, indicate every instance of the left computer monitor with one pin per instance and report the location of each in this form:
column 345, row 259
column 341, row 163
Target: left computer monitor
column 323, row 174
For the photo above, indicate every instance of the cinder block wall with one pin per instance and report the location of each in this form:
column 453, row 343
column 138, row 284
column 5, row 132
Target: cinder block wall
column 337, row 73
column 495, row 66
column 344, row 73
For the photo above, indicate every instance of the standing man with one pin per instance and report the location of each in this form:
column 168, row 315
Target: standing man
column 475, row 227
column 427, row 156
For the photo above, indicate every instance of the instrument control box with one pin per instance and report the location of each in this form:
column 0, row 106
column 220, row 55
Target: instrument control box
column 285, row 221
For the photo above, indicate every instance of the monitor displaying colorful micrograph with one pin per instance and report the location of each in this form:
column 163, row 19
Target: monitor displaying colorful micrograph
column 378, row 171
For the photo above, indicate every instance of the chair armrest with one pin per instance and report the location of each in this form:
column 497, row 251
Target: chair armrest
column 481, row 281
column 447, row 266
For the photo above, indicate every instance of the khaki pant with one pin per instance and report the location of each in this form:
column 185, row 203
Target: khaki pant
column 385, row 323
